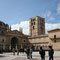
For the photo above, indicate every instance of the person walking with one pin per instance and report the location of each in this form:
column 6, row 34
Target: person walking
column 13, row 51
column 28, row 53
column 42, row 53
column 17, row 51
column 51, row 52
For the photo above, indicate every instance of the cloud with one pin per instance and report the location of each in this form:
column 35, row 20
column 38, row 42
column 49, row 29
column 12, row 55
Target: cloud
column 25, row 26
column 51, row 18
column 51, row 26
column 47, row 14
column 58, row 9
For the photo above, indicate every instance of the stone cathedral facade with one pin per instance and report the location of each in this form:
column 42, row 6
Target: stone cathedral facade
column 38, row 37
column 16, row 39
column 11, row 39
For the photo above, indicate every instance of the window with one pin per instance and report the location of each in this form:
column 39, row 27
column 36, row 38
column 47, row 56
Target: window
column 33, row 27
column 55, row 38
column 33, row 19
column 31, row 23
column 34, row 23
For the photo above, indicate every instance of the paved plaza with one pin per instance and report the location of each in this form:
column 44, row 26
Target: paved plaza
column 36, row 56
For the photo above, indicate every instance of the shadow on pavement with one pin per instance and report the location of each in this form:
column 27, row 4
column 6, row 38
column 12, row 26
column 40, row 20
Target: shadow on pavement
column 2, row 56
column 34, row 59
column 20, row 58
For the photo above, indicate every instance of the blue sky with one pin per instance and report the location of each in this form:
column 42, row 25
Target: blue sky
column 14, row 12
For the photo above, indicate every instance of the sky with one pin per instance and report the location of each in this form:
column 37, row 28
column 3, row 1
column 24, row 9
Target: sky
column 18, row 12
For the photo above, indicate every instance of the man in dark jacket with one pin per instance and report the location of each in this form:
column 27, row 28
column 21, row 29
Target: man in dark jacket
column 42, row 53
column 28, row 52
column 51, row 52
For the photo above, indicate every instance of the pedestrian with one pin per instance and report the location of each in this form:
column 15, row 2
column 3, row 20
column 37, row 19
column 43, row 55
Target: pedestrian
column 28, row 53
column 20, row 50
column 13, row 51
column 42, row 53
column 51, row 52
column 17, row 51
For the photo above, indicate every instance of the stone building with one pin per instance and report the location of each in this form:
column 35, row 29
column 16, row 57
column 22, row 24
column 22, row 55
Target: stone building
column 11, row 39
column 37, row 26
column 38, row 37
column 54, row 36
column 16, row 39
column 3, row 30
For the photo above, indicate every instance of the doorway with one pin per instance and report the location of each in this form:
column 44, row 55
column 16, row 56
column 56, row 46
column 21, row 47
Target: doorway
column 14, row 43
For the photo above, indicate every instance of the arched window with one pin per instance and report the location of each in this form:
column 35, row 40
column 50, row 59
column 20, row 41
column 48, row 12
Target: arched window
column 55, row 38
column 34, row 23
column 33, row 27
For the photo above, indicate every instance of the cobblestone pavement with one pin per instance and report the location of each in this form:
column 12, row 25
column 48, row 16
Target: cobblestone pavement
column 10, row 56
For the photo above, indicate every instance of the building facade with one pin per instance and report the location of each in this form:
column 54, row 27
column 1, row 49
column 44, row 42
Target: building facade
column 16, row 39
column 11, row 39
column 38, row 37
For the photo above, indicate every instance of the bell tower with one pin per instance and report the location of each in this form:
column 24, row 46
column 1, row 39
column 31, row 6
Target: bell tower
column 37, row 26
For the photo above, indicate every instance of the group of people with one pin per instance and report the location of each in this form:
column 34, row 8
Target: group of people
column 41, row 52
column 50, row 51
column 27, row 51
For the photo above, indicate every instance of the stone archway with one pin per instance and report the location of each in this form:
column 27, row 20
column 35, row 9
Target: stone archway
column 14, row 43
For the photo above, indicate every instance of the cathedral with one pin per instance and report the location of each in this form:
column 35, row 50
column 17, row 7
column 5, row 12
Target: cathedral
column 10, row 39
